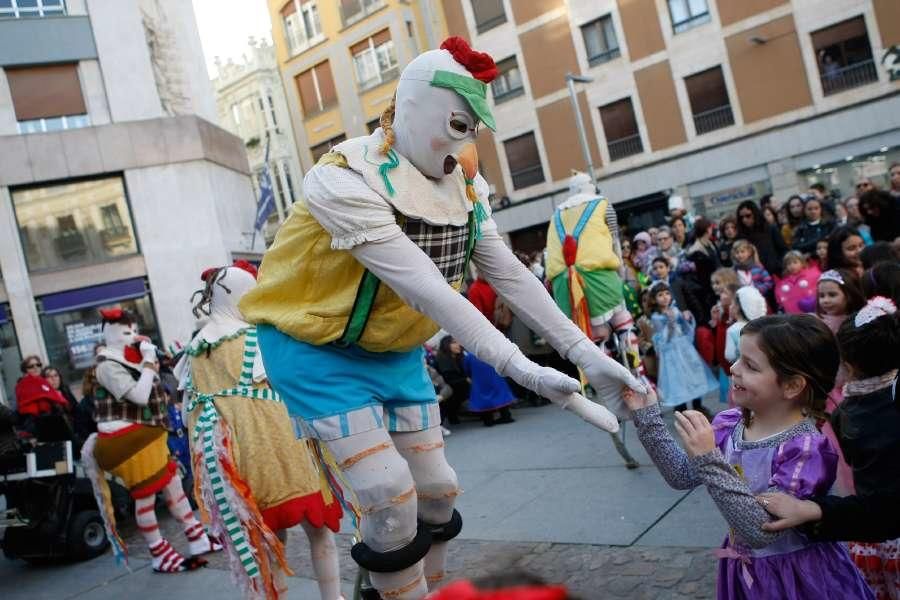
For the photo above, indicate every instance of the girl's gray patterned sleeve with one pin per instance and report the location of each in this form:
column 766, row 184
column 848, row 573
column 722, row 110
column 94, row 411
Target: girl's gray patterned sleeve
column 671, row 460
column 735, row 500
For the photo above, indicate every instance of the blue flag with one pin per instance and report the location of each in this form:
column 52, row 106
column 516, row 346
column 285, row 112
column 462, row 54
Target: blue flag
column 266, row 203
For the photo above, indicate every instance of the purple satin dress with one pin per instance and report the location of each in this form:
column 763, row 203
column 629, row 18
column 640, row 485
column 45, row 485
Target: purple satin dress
column 791, row 568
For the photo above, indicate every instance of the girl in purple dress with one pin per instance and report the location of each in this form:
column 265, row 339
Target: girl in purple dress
column 786, row 367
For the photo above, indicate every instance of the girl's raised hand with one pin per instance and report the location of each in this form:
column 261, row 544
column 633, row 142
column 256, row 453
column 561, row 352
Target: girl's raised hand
column 695, row 431
column 790, row 511
column 634, row 401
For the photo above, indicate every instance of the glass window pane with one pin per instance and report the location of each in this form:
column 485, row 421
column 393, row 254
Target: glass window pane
column 10, row 357
column 678, row 8
column 6, row 4
column 697, row 7
column 592, row 42
column 609, row 32
column 63, row 226
column 54, row 124
column 27, row 3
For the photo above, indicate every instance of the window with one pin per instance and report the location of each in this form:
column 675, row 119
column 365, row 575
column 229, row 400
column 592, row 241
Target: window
column 290, row 183
column 272, row 111
column 316, row 88
column 354, row 10
column 373, row 124
column 301, row 25
column 524, row 161
column 621, row 129
column 844, row 56
column 374, row 60
column 687, row 14
column 319, row 150
column 47, row 98
column 73, row 224
column 24, row 9
column 488, row 14
column 508, row 83
column 600, row 41
column 709, row 100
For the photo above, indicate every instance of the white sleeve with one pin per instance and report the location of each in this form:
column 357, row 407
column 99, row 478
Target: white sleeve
column 402, row 266
column 731, row 350
column 524, row 292
column 348, row 209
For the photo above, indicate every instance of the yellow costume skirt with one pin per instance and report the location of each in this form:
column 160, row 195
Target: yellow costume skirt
column 139, row 456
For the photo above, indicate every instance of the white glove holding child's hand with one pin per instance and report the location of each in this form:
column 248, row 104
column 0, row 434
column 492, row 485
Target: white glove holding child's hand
column 606, row 376
column 559, row 389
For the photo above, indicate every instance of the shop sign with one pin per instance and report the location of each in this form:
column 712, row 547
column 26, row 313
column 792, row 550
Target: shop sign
column 718, row 204
column 82, row 338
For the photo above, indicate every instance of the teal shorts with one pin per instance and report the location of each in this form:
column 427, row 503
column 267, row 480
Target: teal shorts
column 333, row 392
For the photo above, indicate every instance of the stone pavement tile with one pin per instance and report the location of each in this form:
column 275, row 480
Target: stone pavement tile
column 695, row 521
column 545, row 505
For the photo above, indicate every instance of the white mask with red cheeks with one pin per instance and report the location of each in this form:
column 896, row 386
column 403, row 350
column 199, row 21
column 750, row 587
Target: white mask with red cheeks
column 120, row 339
column 433, row 123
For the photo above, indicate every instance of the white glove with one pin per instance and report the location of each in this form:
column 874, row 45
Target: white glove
column 559, row 389
column 605, row 375
column 148, row 352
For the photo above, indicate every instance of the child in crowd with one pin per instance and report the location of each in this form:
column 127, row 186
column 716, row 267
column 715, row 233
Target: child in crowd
column 868, row 427
column 642, row 251
column 770, row 443
column 683, row 375
column 795, row 290
column 661, row 270
column 839, row 295
column 748, row 304
column 748, row 267
column 821, row 258
column 720, row 318
column 645, row 337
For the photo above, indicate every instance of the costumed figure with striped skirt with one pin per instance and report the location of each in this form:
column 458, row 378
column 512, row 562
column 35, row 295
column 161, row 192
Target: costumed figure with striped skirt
column 363, row 272
column 130, row 444
column 583, row 263
column 253, row 478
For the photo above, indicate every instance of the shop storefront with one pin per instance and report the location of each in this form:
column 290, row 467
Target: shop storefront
column 10, row 357
column 70, row 322
column 840, row 177
column 716, row 205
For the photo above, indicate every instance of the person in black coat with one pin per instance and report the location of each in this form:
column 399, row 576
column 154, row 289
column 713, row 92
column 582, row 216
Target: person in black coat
column 703, row 255
column 449, row 364
column 881, row 212
column 816, row 227
column 767, row 239
column 867, row 425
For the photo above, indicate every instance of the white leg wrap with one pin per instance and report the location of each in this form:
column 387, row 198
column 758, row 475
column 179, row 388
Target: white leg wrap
column 384, row 487
column 324, row 555
column 437, row 487
column 145, row 515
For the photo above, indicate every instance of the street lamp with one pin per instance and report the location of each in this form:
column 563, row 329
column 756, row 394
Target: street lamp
column 571, row 80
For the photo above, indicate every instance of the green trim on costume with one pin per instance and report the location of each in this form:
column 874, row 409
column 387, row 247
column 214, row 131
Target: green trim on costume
column 392, row 163
column 474, row 92
column 204, row 346
column 603, row 290
column 362, row 309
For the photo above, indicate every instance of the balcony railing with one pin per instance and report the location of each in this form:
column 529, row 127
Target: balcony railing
column 118, row 235
column 70, row 243
column 848, row 77
column 711, row 120
column 626, row 146
column 528, row 176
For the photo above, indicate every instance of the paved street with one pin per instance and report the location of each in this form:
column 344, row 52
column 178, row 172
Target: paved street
column 547, row 495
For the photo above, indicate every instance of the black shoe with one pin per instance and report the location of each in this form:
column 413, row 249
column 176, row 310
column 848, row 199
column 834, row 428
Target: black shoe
column 490, row 423
column 504, row 420
column 453, row 420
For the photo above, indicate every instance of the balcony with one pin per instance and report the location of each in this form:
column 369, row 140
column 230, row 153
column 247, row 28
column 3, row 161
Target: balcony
column 711, row 120
column 356, row 10
column 115, row 236
column 70, row 243
column 626, row 146
column 851, row 76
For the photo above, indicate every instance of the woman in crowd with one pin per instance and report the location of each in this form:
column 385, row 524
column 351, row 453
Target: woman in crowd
column 881, row 212
column 845, row 246
column 767, row 239
column 679, row 232
column 794, row 216
column 705, row 258
column 855, row 219
column 35, row 396
column 450, row 366
column 728, row 227
column 52, row 375
column 770, row 215
column 814, row 228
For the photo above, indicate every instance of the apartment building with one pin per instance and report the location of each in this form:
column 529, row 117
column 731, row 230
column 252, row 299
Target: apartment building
column 116, row 187
column 717, row 101
column 340, row 61
column 251, row 104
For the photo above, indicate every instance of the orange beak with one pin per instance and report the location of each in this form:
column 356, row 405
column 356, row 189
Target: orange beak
column 468, row 160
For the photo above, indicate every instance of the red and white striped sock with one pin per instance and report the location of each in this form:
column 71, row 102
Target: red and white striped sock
column 145, row 515
column 165, row 558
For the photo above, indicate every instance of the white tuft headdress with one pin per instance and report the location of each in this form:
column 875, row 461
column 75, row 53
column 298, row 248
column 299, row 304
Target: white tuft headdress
column 874, row 308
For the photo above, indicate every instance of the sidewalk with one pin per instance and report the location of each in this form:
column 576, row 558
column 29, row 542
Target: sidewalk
column 547, row 494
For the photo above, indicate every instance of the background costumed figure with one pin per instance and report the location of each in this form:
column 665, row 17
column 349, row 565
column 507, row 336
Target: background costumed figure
column 253, row 477
column 583, row 262
column 363, row 272
column 130, row 410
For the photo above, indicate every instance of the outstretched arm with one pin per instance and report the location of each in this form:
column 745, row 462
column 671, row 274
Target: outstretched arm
column 401, row 265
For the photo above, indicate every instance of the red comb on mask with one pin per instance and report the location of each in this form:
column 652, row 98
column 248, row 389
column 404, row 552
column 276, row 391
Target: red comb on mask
column 479, row 64
column 247, row 266
column 111, row 314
